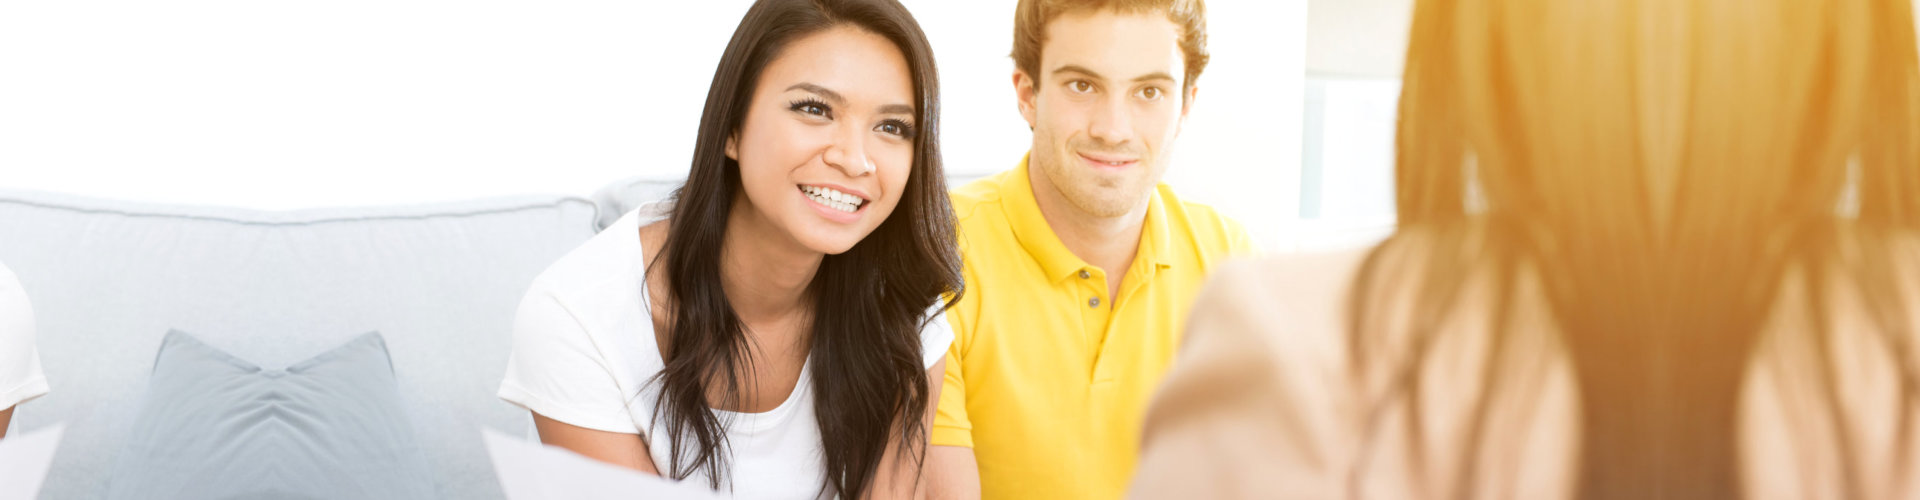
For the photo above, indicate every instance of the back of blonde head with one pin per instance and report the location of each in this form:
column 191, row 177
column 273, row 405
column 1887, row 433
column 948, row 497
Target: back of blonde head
column 1661, row 172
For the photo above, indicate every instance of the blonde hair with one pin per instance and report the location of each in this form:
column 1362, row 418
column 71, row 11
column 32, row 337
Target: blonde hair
column 1662, row 169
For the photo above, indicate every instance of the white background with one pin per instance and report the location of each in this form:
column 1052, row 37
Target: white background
column 279, row 104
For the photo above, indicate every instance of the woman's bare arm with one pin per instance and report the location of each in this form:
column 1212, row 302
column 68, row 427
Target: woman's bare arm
column 905, row 477
column 625, row 450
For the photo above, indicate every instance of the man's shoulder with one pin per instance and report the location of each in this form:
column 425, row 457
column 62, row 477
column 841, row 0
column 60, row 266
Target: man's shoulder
column 1210, row 231
column 981, row 193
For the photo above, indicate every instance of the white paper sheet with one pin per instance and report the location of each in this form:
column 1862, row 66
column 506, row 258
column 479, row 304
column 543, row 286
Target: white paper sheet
column 24, row 460
column 531, row 471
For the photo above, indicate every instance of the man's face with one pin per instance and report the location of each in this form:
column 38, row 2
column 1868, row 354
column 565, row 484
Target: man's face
column 1105, row 108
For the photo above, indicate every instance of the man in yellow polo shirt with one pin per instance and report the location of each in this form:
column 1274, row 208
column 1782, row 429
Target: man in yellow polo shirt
column 1080, row 264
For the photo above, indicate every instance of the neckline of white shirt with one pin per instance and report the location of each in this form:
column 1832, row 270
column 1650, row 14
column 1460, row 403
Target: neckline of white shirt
column 737, row 421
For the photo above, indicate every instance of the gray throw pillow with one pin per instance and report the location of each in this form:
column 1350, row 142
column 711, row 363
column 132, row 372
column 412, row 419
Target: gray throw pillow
column 214, row 426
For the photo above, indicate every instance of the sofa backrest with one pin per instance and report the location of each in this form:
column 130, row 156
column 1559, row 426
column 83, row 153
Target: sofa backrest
column 440, row 282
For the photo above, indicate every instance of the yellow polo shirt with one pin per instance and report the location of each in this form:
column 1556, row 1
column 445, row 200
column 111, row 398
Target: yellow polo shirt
column 1044, row 381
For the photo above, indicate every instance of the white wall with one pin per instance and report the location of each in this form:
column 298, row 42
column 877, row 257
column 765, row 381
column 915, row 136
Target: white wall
column 1355, row 49
column 1240, row 150
column 1357, row 38
column 281, row 105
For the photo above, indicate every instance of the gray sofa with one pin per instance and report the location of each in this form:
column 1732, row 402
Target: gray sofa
column 440, row 282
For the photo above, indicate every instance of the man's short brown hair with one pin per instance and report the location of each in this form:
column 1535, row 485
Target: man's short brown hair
column 1031, row 17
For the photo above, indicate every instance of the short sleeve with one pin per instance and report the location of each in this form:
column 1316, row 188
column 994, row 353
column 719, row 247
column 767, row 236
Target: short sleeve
column 21, row 378
column 557, row 370
column 936, row 337
column 1239, row 241
column 951, row 426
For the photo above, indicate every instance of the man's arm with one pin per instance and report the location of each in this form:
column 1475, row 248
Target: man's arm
column 952, row 473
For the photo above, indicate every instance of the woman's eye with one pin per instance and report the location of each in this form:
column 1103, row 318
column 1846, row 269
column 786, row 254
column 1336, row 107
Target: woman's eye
column 811, row 108
column 896, row 127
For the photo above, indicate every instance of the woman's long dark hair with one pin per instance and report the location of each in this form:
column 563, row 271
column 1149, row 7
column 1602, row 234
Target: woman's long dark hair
column 869, row 303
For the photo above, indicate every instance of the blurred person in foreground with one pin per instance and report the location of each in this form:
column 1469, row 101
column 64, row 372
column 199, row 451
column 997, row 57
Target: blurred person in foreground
column 1647, row 249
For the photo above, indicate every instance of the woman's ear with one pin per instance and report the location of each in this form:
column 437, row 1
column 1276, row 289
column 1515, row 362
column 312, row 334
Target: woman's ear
column 733, row 146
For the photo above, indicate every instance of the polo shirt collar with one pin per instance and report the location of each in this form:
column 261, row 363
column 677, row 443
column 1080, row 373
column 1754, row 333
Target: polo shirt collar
column 1040, row 242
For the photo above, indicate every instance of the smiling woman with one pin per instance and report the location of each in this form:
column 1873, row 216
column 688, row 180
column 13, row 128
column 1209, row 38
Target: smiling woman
column 774, row 328
column 832, row 138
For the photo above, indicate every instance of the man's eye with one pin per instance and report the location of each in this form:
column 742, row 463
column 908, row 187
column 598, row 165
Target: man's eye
column 1080, row 86
column 1150, row 93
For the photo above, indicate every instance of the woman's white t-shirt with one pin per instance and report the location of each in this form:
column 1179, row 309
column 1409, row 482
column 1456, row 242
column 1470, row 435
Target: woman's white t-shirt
column 584, row 354
column 20, row 376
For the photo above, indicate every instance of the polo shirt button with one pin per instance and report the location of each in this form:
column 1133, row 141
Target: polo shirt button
column 1093, row 302
column 1084, row 274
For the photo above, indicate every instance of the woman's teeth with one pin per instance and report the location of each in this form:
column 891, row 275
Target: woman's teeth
column 833, row 199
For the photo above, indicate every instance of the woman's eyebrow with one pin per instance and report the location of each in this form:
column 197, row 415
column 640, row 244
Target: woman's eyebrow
column 835, row 97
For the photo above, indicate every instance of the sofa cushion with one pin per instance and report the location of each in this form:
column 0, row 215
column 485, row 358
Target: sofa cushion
column 619, row 197
column 213, row 425
column 441, row 282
